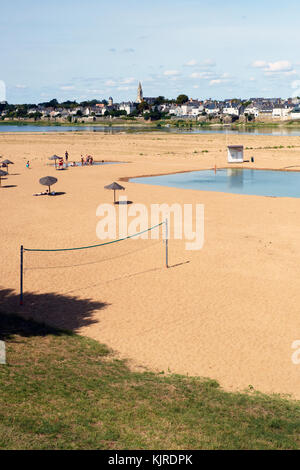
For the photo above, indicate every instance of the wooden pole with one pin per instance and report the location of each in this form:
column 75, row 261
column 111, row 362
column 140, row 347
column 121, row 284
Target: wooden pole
column 167, row 245
column 21, row 274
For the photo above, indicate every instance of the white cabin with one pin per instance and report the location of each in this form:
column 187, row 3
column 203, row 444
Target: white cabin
column 235, row 154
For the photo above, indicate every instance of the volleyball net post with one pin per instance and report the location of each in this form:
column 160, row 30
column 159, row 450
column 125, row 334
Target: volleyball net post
column 21, row 274
column 22, row 250
column 167, row 242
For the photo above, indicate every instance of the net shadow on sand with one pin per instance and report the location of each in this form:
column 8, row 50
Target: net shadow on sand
column 66, row 312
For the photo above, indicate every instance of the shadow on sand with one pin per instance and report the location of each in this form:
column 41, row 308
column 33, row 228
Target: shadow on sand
column 178, row 264
column 123, row 203
column 57, row 193
column 61, row 311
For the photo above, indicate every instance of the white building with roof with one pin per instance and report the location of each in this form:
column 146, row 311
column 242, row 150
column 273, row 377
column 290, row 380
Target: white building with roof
column 235, row 154
column 128, row 107
column 295, row 113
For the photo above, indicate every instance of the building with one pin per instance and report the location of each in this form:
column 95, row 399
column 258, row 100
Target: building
column 211, row 109
column 295, row 113
column 281, row 112
column 128, row 107
column 231, row 110
column 252, row 110
column 110, row 101
column 139, row 98
column 235, row 154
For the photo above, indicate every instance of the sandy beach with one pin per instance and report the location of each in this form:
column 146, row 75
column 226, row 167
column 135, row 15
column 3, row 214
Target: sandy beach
column 229, row 311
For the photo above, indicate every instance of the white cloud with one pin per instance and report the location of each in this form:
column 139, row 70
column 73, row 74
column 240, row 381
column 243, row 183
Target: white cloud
column 110, row 83
column 217, row 81
column 259, row 64
column 170, row 73
column 279, row 66
column 291, row 72
column 67, row 87
column 191, row 63
column 21, row 87
column 126, row 88
column 128, row 80
column 209, row 63
column 204, row 75
column 96, row 91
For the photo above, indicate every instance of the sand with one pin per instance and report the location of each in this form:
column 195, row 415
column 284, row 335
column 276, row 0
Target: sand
column 229, row 311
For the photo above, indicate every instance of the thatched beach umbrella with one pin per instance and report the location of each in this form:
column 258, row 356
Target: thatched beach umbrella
column 55, row 157
column 6, row 163
column 48, row 181
column 2, row 173
column 115, row 187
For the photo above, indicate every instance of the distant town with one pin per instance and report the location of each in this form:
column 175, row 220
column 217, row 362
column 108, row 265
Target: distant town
column 154, row 109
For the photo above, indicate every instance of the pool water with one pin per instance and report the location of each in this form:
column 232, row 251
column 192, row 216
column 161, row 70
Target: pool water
column 232, row 180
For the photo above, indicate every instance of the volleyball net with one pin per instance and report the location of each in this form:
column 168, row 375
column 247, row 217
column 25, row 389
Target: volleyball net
column 43, row 259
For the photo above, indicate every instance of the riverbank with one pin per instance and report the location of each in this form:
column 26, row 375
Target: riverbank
column 155, row 124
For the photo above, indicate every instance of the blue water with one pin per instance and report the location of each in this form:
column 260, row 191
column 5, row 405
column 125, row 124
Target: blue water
column 94, row 163
column 232, row 180
column 117, row 129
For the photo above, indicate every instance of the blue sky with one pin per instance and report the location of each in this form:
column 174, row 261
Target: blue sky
column 75, row 49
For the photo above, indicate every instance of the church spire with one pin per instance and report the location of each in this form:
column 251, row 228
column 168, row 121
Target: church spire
column 139, row 93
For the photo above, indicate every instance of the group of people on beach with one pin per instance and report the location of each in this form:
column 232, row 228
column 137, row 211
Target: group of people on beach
column 88, row 160
column 45, row 193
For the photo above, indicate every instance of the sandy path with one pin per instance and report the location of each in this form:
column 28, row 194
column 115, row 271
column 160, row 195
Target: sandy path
column 229, row 311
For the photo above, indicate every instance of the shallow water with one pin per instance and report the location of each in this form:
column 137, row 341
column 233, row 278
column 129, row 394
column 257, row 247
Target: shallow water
column 134, row 130
column 232, row 180
column 95, row 163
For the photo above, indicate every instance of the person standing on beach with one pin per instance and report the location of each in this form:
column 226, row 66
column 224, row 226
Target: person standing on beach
column 66, row 157
column 27, row 164
column 82, row 160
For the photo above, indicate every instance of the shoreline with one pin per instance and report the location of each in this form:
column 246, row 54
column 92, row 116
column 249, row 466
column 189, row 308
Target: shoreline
column 127, row 179
column 179, row 123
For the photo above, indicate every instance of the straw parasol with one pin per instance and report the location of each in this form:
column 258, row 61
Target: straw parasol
column 55, row 157
column 2, row 173
column 115, row 187
column 48, row 181
column 6, row 163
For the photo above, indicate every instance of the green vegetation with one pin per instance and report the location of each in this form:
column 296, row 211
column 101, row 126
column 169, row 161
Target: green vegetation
column 62, row 391
column 154, row 117
column 182, row 99
column 276, row 147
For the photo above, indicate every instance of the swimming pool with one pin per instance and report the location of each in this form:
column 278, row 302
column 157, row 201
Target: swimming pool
column 232, row 180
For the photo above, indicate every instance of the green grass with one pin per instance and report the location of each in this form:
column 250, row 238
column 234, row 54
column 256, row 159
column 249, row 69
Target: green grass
column 63, row 391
